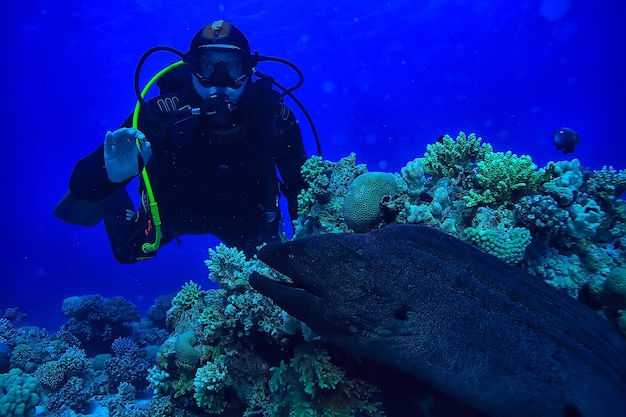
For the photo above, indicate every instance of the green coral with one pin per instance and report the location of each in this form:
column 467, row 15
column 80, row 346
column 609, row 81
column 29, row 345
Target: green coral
column 451, row 157
column 506, row 244
column 236, row 310
column 311, row 385
column 566, row 179
column 607, row 184
column 564, row 272
column 51, row 375
column 187, row 356
column 494, row 231
column 159, row 381
column 585, row 219
column 316, row 173
column 616, row 282
column 209, row 385
column 362, row 202
column 228, row 268
column 312, row 168
column 320, row 206
column 229, row 375
column 189, row 295
column 417, row 214
column 19, row 394
column 505, row 178
column 413, row 176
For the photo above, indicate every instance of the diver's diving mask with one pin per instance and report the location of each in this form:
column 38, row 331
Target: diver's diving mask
column 218, row 65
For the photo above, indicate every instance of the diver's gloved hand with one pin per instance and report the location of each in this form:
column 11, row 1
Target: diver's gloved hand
column 121, row 154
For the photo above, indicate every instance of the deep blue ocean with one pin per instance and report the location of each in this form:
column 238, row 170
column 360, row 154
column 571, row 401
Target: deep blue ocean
column 382, row 79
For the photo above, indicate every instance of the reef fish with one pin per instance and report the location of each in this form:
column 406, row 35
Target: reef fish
column 472, row 326
column 565, row 139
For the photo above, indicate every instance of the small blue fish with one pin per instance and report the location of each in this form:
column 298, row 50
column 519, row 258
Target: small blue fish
column 565, row 139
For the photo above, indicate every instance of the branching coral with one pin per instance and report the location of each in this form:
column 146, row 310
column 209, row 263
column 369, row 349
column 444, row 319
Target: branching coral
column 320, row 206
column 96, row 321
column 212, row 357
column 606, row 185
column 54, row 374
column 312, row 385
column 127, row 366
column 228, row 268
column 190, row 294
column 451, row 157
column 209, row 385
column 505, row 178
column 6, row 331
column 237, row 311
column 542, row 215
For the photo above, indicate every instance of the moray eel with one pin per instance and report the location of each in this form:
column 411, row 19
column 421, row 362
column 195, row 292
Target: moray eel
column 475, row 328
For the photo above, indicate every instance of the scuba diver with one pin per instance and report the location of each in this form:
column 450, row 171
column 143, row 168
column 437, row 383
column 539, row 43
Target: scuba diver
column 207, row 148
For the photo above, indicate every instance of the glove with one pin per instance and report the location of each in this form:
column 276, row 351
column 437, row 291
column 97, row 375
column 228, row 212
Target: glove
column 121, row 153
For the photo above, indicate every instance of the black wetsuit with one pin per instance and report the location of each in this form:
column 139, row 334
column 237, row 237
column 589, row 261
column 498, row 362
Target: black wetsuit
column 204, row 181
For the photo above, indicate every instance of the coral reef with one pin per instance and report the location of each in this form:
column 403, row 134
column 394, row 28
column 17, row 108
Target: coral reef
column 452, row 158
column 308, row 383
column 63, row 377
column 501, row 239
column 561, row 222
column 542, row 215
column 188, row 295
column 320, row 206
column 503, row 178
column 220, row 356
column 97, row 321
column 55, row 373
column 129, row 365
column 232, row 352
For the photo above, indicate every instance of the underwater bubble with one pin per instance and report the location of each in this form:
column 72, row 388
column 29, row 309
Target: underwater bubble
column 370, row 138
column 328, row 87
column 564, row 31
column 382, row 164
column 338, row 138
column 553, row 10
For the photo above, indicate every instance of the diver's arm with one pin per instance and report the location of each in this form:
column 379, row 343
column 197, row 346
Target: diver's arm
column 112, row 165
column 290, row 156
column 89, row 180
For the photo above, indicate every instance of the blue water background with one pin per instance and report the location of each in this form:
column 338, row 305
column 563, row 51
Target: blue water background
column 382, row 79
